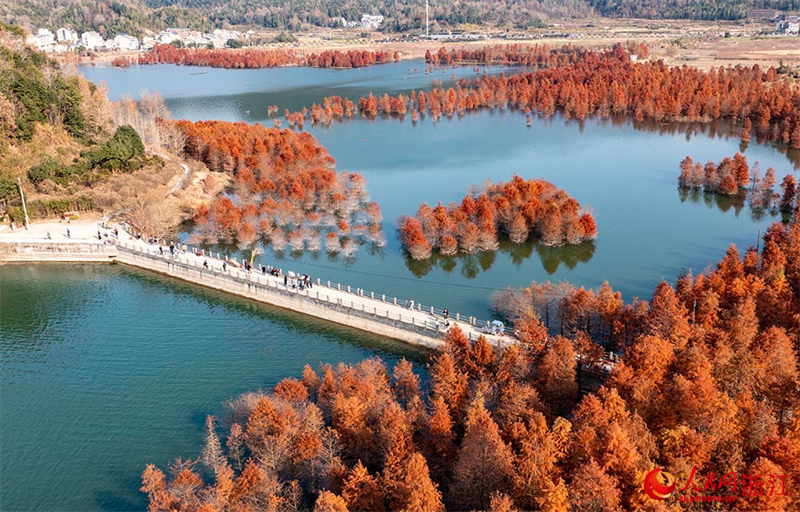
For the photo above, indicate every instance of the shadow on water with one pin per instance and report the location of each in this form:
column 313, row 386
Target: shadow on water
column 719, row 129
column 266, row 255
column 297, row 324
column 471, row 265
column 725, row 203
column 115, row 502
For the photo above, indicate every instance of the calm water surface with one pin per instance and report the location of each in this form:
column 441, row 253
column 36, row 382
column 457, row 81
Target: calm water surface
column 106, row 369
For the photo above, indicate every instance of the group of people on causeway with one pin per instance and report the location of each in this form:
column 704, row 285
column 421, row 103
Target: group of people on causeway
column 291, row 280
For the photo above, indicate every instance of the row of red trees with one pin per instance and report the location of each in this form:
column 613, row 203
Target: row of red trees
column 221, row 58
column 518, row 209
column 261, row 58
column 734, row 176
column 285, row 190
column 514, row 54
column 707, row 389
column 336, row 108
column 350, row 59
column 586, row 82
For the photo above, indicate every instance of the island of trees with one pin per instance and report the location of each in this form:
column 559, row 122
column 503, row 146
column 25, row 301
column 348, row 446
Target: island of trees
column 260, row 58
column 518, row 209
column 285, row 191
column 733, row 176
column 707, row 389
column 513, row 54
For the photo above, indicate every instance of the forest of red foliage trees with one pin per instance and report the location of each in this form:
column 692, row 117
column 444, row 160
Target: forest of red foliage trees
column 262, row 58
column 584, row 82
column 286, row 190
column 349, row 59
column 510, row 54
column 706, row 388
column 518, row 209
column 734, row 176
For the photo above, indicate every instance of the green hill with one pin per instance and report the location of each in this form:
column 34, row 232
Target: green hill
column 56, row 133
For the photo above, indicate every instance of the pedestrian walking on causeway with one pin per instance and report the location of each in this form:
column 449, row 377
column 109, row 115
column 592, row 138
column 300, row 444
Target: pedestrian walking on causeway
column 224, row 267
column 411, row 304
column 99, row 236
column 48, row 236
column 116, row 232
column 68, row 233
column 285, row 280
column 172, row 249
column 205, row 264
column 446, row 313
column 161, row 250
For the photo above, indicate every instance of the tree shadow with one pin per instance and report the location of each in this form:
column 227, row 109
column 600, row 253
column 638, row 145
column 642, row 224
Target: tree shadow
column 726, row 203
column 471, row 265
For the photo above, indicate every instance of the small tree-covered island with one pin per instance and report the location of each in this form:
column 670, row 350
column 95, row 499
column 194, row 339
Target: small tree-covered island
column 395, row 256
column 516, row 209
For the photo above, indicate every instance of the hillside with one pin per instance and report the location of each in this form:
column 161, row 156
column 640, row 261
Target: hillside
column 133, row 16
column 59, row 138
column 108, row 18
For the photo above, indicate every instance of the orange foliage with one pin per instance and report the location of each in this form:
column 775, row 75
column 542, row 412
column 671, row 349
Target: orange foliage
column 583, row 82
column 349, row 59
column 260, row 58
column 220, row 58
column 285, row 187
column 518, row 208
column 734, row 176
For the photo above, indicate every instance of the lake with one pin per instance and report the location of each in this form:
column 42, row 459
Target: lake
column 106, row 369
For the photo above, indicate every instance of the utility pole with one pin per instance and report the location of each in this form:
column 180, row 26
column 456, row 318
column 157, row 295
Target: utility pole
column 24, row 206
column 427, row 19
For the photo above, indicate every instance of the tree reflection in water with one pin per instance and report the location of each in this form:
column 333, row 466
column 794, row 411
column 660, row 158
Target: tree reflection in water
column 470, row 265
column 725, row 203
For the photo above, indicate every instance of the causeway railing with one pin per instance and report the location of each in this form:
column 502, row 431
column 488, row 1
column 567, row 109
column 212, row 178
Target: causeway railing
column 431, row 326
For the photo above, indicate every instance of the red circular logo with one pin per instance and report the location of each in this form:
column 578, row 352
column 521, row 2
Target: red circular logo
column 658, row 484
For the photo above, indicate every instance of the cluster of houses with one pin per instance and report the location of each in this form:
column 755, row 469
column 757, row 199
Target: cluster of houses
column 789, row 25
column 216, row 39
column 67, row 40
column 368, row 22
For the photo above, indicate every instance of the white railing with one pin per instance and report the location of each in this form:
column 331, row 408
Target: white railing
column 263, row 281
